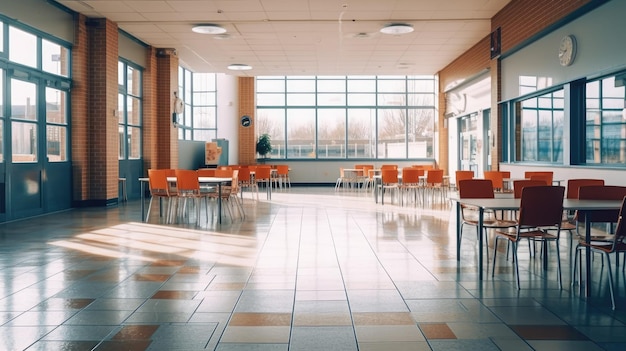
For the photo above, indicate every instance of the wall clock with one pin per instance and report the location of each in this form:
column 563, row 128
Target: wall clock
column 246, row 121
column 567, row 50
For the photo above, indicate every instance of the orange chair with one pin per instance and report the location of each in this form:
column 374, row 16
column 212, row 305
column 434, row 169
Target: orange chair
column 282, row 175
column 479, row 189
column 462, row 175
column 263, row 175
column 389, row 181
column 206, row 172
column 541, row 207
column 496, row 178
column 434, row 182
column 410, row 183
column 246, row 180
column 546, row 176
column 518, row 185
column 160, row 189
column 571, row 221
column 189, row 189
column 614, row 244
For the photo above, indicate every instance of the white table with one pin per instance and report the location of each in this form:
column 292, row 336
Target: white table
column 511, row 204
column 218, row 181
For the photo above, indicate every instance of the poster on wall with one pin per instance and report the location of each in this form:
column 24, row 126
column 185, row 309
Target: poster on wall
column 212, row 153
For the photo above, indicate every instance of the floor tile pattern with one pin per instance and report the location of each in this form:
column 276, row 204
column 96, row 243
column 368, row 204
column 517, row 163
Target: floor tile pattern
column 312, row 269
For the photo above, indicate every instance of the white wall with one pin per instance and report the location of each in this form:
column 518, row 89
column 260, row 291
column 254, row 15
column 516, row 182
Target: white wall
column 601, row 49
column 228, row 114
column 610, row 176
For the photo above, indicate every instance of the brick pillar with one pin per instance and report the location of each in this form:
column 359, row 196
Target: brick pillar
column 495, row 120
column 94, row 121
column 247, row 106
column 165, row 145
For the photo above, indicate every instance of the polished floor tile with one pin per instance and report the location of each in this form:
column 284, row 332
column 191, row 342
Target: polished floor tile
column 312, row 269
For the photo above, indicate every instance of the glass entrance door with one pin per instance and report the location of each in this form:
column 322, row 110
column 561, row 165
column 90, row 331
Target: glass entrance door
column 468, row 143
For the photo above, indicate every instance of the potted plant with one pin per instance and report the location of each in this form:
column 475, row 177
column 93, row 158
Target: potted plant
column 264, row 145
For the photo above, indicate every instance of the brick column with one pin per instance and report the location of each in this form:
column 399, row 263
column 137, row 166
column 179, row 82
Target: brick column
column 247, row 106
column 166, row 143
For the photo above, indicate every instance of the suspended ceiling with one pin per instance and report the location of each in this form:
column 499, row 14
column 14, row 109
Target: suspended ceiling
column 304, row 37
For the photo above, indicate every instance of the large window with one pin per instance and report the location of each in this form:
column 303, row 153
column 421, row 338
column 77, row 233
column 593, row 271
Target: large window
column 198, row 121
column 330, row 117
column 129, row 111
column 541, row 126
column 605, row 137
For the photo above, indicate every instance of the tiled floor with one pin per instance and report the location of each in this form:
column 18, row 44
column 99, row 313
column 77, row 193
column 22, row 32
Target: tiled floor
column 313, row 269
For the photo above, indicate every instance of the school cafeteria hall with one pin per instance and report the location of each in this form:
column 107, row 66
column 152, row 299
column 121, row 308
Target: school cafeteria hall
column 312, row 175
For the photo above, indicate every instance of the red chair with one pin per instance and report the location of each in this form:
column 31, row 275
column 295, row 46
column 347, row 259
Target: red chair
column 541, row 207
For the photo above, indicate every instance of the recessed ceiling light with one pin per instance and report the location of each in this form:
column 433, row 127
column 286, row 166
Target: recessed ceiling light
column 239, row 67
column 208, row 28
column 397, row 28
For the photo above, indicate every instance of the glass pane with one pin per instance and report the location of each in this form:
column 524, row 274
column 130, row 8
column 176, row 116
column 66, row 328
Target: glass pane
column 331, row 86
column 133, row 86
column 272, row 122
column 56, row 106
column 120, row 73
column 301, row 86
column 421, row 124
column 1, row 88
column 392, row 133
column 331, row 99
column 121, row 110
column 56, row 143
column 300, row 99
column 122, row 143
column 1, row 142
column 300, row 133
column 24, row 142
column 420, row 99
column 204, row 82
column 23, row 100
column 392, row 86
column 361, row 133
column 362, row 86
column 134, row 111
column 204, row 117
column 529, row 135
column 421, row 86
column 54, row 58
column 204, row 99
column 206, row 134
column 270, row 99
column 22, row 47
column 1, row 36
column 392, row 100
column 270, row 86
column 134, row 143
column 362, row 99
column 331, row 133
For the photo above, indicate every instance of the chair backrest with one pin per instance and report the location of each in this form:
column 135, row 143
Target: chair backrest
column 462, row 175
column 434, row 176
column 506, row 174
column 541, row 206
column 187, row 181
column 573, row 185
column 547, row 179
column 282, row 170
column 620, row 229
column 263, row 173
column 224, row 167
column 601, row 192
column 496, row 178
column 475, row 189
column 157, row 181
column 411, row 176
column 244, row 175
column 389, row 176
column 519, row 185
column 224, row 173
column 206, row 172
column 548, row 176
column 389, row 166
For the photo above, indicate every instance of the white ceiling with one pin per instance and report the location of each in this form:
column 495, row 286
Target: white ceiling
column 304, row 37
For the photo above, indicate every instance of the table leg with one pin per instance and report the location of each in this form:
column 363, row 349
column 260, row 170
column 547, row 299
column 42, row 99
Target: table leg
column 458, row 231
column 481, row 213
column 588, row 256
column 143, row 197
column 219, row 203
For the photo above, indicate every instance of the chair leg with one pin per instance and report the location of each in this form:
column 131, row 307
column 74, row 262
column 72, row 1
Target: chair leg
column 608, row 259
column 495, row 253
column 558, row 263
column 516, row 264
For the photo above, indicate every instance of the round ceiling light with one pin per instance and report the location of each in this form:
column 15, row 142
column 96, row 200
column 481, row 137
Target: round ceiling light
column 208, row 28
column 397, row 28
column 239, row 67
